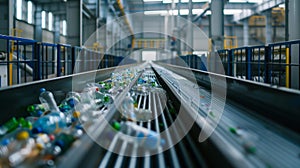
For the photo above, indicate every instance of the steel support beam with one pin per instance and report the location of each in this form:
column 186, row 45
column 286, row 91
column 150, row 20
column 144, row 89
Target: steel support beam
column 56, row 29
column 294, row 34
column 74, row 22
column 178, row 42
column 190, row 30
column 38, row 34
column 138, row 7
column 217, row 33
column 268, row 33
column 258, row 9
column 217, row 23
column 6, row 20
column 246, row 32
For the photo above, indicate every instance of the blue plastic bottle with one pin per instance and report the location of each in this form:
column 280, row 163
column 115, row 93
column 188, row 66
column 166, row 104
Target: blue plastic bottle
column 51, row 123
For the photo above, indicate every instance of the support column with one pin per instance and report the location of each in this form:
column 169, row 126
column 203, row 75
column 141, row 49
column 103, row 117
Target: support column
column 7, row 16
column 178, row 42
column 246, row 32
column 268, row 27
column 294, row 34
column 74, row 22
column 56, row 29
column 217, row 34
column 217, row 23
column 190, row 30
column 38, row 33
column 166, row 31
column 6, row 20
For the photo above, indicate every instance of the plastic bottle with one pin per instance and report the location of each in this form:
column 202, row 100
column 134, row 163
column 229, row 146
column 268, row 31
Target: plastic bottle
column 246, row 138
column 42, row 140
column 24, row 123
column 143, row 114
column 9, row 126
column 48, row 101
column 20, row 148
column 144, row 137
column 64, row 142
column 50, row 123
column 36, row 110
column 102, row 98
column 127, row 108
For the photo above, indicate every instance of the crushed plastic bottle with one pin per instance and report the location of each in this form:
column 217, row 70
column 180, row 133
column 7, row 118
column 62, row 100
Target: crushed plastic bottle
column 144, row 137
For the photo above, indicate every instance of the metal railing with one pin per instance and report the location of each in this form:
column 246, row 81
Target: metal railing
column 268, row 64
column 25, row 60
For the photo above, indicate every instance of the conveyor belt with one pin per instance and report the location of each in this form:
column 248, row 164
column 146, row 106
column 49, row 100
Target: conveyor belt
column 272, row 144
column 273, row 148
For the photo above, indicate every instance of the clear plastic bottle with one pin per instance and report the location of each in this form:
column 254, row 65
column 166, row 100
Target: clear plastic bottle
column 71, row 99
column 103, row 98
column 144, row 137
column 50, row 123
column 48, row 101
column 127, row 108
column 143, row 114
column 20, row 148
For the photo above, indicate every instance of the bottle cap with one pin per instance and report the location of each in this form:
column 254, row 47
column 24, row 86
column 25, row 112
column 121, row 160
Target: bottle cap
column 30, row 108
column 116, row 125
column 52, row 137
column 78, row 127
column 37, row 130
column 22, row 135
column 71, row 102
column 60, row 143
column 39, row 112
column 39, row 146
column 42, row 90
column 76, row 114
column 5, row 142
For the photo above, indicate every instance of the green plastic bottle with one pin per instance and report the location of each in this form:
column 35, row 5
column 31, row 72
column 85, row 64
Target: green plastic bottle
column 9, row 126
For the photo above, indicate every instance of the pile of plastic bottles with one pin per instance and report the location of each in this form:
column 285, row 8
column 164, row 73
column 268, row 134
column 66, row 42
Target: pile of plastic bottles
column 50, row 128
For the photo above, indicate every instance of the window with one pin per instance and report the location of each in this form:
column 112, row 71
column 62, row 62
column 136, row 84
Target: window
column 43, row 19
column 29, row 12
column 64, row 27
column 50, row 21
column 19, row 9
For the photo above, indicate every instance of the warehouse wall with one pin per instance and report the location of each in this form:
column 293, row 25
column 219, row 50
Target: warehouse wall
column 28, row 32
column 156, row 23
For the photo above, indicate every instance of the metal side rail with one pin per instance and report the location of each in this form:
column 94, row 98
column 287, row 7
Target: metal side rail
column 267, row 144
